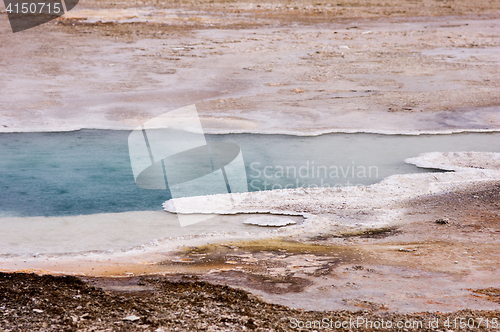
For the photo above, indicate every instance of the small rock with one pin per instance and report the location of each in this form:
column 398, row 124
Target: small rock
column 455, row 262
column 131, row 318
column 442, row 221
column 38, row 310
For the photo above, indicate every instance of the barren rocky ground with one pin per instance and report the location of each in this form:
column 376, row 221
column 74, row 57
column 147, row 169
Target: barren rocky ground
column 51, row 303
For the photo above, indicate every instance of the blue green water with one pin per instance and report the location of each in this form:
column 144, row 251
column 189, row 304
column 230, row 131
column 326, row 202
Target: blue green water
column 89, row 171
column 69, row 173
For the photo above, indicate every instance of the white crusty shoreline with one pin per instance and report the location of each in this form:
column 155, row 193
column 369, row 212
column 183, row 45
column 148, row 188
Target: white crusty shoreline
column 376, row 205
column 310, row 133
column 325, row 210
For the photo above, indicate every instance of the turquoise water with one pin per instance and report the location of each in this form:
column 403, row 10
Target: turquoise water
column 89, row 171
column 70, row 173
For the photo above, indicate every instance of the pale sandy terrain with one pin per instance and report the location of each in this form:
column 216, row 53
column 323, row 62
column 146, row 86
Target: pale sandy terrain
column 301, row 68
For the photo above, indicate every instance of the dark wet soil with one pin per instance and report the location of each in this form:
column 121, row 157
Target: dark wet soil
column 64, row 303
